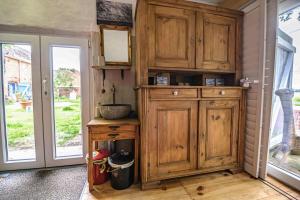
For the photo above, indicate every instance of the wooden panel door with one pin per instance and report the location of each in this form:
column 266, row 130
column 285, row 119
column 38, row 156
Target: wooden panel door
column 216, row 39
column 171, row 37
column 218, row 133
column 172, row 137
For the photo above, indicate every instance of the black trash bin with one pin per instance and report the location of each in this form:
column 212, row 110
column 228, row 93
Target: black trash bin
column 122, row 170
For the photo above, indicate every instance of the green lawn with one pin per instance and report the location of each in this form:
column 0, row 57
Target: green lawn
column 20, row 123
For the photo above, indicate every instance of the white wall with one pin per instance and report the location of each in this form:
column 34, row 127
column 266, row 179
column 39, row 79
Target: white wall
column 72, row 15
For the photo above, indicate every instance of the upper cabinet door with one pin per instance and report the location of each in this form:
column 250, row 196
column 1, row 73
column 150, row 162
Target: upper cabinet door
column 171, row 37
column 216, row 39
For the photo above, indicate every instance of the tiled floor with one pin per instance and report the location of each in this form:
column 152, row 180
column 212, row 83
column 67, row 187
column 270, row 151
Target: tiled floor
column 215, row 186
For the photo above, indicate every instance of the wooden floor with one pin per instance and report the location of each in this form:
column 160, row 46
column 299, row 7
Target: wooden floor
column 215, row 186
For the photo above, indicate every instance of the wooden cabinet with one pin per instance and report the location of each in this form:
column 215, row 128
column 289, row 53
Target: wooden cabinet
column 180, row 38
column 171, row 37
column 188, row 129
column 196, row 131
column 216, row 42
column 218, row 133
column 172, row 137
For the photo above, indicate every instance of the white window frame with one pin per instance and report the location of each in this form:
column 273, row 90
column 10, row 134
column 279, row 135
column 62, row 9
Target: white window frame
column 5, row 164
column 46, row 41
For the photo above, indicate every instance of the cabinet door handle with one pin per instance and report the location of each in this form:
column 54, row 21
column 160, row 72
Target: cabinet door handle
column 222, row 92
column 175, row 92
column 179, row 146
column 113, row 135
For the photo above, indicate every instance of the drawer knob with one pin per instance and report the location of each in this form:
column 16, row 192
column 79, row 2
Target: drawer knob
column 175, row 92
column 222, row 92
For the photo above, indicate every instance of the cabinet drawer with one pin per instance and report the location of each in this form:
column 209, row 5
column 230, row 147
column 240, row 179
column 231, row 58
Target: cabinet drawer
column 221, row 92
column 114, row 135
column 110, row 128
column 173, row 93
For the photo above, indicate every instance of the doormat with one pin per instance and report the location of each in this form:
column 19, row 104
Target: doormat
column 53, row 183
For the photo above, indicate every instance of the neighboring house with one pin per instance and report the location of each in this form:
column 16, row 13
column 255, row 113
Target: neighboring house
column 17, row 70
column 70, row 84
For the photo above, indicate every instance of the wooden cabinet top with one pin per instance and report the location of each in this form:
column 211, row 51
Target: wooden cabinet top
column 104, row 122
column 189, row 86
column 195, row 6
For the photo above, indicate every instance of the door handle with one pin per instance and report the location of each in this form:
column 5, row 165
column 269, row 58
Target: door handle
column 44, row 86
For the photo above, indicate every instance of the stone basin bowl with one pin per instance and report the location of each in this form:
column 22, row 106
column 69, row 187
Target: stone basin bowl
column 115, row 111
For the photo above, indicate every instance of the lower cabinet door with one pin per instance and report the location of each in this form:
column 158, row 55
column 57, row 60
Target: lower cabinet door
column 172, row 137
column 218, row 133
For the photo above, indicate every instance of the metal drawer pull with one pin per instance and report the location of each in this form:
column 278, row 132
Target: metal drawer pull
column 175, row 92
column 114, row 127
column 222, row 92
column 113, row 135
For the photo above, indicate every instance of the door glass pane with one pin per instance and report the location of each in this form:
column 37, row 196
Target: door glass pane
column 18, row 105
column 66, row 100
column 285, row 127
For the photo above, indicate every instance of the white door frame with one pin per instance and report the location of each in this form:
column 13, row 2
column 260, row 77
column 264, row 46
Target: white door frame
column 254, row 69
column 46, row 42
column 284, row 176
column 39, row 162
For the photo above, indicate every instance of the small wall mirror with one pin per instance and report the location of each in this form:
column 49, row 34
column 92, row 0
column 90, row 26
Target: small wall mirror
column 116, row 45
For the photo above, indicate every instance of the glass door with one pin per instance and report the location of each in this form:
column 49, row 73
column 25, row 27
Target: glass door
column 284, row 144
column 65, row 99
column 21, row 128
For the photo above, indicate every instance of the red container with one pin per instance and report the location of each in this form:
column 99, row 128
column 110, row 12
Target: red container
column 100, row 166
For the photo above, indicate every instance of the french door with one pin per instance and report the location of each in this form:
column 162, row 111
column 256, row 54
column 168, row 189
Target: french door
column 43, row 101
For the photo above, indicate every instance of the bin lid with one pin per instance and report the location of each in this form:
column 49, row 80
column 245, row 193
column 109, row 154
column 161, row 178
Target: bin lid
column 121, row 158
column 102, row 153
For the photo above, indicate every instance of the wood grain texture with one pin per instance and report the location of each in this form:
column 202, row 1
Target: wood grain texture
column 220, row 92
column 168, row 120
column 294, row 193
column 110, row 130
column 216, row 38
column 172, row 137
column 169, row 114
column 171, row 37
column 173, row 93
column 214, row 186
column 104, row 122
column 167, row 38
column 218, row 133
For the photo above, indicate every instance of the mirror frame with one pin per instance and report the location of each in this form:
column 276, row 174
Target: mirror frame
column 121, row 28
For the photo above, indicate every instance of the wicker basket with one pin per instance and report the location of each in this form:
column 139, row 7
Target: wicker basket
column 296, row 147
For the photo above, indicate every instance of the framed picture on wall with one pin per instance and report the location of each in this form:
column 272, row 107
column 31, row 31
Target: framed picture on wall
column 114, row 13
